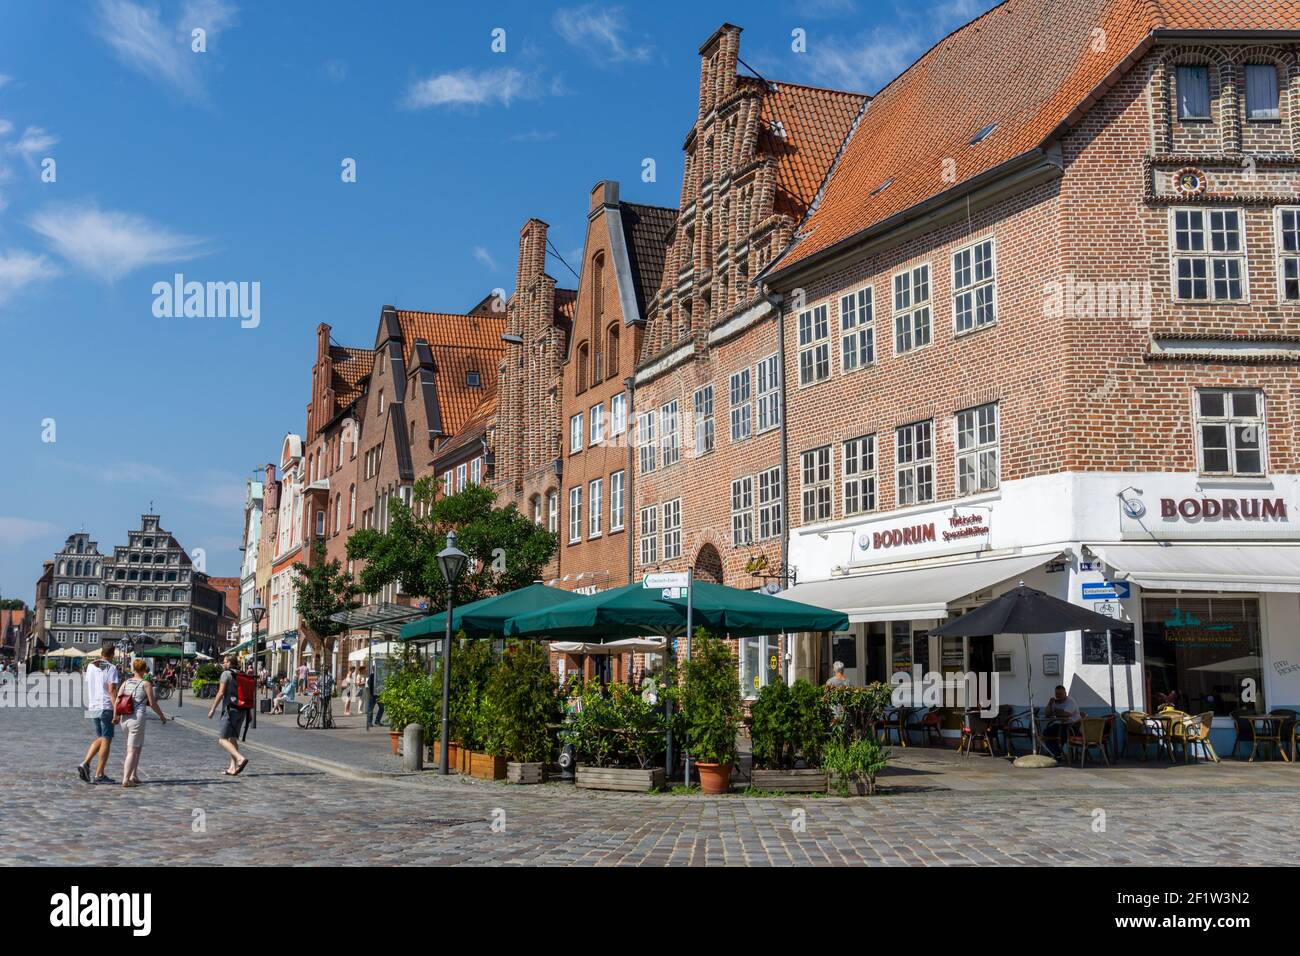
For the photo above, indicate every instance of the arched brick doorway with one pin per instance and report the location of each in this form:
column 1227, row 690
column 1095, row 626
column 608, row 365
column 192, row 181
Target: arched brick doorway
column 708, row 565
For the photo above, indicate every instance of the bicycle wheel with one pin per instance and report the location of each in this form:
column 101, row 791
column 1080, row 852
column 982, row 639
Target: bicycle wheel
column 306, row 714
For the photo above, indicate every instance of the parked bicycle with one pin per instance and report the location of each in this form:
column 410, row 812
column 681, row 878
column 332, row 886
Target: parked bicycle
column 316, row 713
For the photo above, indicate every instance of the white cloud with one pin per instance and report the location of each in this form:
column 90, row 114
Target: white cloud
column 470, row 88
column 485, row 257
column 19, row 269
column 5, row 80
column 6, row 127
column 163, row 51
column 110, row 244
column 34, row 142
column 20, row 530
column 600, row 32
column 336, row 71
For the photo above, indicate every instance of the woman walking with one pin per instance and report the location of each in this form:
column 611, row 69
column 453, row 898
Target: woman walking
column 349, row 692
column 141, row 693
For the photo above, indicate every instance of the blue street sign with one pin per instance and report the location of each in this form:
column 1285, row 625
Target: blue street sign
column 1107, row 591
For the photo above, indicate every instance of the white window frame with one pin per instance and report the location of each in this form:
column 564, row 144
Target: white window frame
column 813, row 326
column 1231, row 422
column 618, row 414
column 576, row 434
column 616, row 485
column 1285, row 256
column 595, row 507
column 815, row 492
column 860, row 467
column 647, row 447
column 575, row 514
column 857, row 334
column 914, row 307
column 475, row 472
column 671, row 523
column 975, row 285
column 913, row 464
column 597, row 424
column 975, row 452
column 1206, row 255
column 742, row 511
column 705, row 425
column 461, row 477
column 446, row 483
column 771, row 503
column 648, row 527
column 767, row 381
column 553, row 512
column 670, row 441
column 740, row 391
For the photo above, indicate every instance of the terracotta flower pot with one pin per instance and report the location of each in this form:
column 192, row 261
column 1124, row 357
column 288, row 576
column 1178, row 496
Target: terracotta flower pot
column 714, row 777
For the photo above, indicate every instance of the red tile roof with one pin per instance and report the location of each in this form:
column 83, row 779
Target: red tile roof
column 351, row 367
column 1026, row 66
column 472, row 428
column 460, row 344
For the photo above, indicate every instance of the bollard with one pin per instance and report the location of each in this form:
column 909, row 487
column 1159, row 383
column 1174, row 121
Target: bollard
column 413, row 747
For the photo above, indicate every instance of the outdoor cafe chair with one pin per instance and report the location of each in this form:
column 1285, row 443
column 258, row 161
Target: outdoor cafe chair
column 1012, row 724
column 1266, row 732
column 977, row 727
column 1288, row 729
column 894, row 721
column 1137, row 730
column 1244, row 728
column 1088, row 733
column 928, row 726
column 1195, row 732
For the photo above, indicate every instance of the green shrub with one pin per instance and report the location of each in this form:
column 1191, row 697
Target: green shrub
column 710, row 701
column 851, row 761
column 789, row 724
column 522, row 701
column 615, row 727
column 411, row 696
column 208, row 671
column 855, row 711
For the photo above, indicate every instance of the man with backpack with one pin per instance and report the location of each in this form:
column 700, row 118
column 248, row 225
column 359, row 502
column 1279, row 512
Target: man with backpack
column 236, row 699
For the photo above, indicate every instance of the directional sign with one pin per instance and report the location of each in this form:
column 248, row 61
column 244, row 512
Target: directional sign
column 191, row 647
column 666, row 579
column 1107, row 591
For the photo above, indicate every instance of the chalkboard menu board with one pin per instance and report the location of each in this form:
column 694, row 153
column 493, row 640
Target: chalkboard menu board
column 1121, row 642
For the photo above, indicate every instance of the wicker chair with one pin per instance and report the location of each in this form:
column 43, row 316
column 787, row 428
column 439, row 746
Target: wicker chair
column 1244, row 728
column 1288, row 729
column 1089, row 733
column 978, row 728
column 1136, row 731
column 1195, row 732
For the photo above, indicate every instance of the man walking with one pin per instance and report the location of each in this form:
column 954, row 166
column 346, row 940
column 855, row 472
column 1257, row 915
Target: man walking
column 101, row 690
column 232, row 721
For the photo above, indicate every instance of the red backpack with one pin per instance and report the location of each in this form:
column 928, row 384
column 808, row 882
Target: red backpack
column 245, row 691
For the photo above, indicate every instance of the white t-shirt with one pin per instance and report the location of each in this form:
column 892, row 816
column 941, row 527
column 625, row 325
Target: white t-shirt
column 98, row 677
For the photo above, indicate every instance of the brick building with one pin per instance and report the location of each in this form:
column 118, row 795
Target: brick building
column 1049, row 330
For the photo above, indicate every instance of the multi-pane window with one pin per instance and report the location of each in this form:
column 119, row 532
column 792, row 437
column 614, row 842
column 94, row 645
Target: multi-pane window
column 860, row 475
column 672, row 525
column 702, row 402
column 972, row 287
column 575, row 433
column 598, row 423
column 1230, row 429
column 742, row 412
column 553, row 512
column 770, row 504
column 1262, row 101
column 816, row 490
column 671, row 438
column 769, row 393
column 616, row 501
column 1193, row 92
column 649, row 522
column 857, row 330
column 742, row 512
column 595, row 507
column 1209, row 254
column 977, row 449
column 646, row 445
column 461, row 474
column 475, row 472
column 914, row 453
column 814, row 345
column 1288, row 251
column 912, row 308
column 575, row 514
column 618, row 414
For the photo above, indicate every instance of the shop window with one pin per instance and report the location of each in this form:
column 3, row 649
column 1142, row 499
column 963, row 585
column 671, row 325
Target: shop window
column 1288, row 252
column 1230, row 431
column 704, row 429
column 760, row 663
column 860, row 475
column 908, row 648
column 915, row 456
column 816, row 491
column 912, row 309
column 814, row 345
column 1203, row 654
column 977, row 449
column 1209, row 254
column 857, row 330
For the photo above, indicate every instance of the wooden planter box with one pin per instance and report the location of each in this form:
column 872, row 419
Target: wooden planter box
column 462, row 756
column 790, row 781
column 525, row 772
column 632, row 779
column 487, row 767
column 857, row 786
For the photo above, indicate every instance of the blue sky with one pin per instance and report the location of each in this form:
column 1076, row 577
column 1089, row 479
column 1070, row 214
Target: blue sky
column 225, row 165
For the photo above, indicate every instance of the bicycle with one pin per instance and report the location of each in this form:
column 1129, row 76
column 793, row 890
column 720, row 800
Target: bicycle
column 316, row 713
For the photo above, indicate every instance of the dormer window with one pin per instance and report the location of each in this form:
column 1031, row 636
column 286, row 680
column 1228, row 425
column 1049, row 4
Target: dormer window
column 1193, row 93
column 472, row 379
column 978, row 137
column 778, row 129
column 883, row 186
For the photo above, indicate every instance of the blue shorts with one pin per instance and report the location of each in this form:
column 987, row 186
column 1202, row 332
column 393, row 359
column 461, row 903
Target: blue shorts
column 104, row 724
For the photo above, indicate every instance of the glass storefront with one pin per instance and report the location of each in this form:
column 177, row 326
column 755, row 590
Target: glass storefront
column 760, row 663
column 1203, row 653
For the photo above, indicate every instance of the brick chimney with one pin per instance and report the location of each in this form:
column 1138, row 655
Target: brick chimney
column 532, row 252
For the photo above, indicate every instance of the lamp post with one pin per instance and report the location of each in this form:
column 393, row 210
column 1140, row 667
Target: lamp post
column 451, row 561
column 258, row 613
column 182, row 632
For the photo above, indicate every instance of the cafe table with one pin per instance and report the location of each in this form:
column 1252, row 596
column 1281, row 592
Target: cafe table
column 1267, row 730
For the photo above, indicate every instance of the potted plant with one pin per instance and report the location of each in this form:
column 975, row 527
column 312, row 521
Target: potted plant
column 788, row 727
column 398, row 701
column 711, row 711
column 618, row 737
column 522, row 704
column 853, row 764
column 469, row 714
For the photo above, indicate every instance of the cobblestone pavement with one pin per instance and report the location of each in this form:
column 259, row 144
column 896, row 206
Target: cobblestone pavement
column 282, row 812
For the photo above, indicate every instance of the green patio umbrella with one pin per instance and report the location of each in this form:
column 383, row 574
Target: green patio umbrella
column 167, row 650
column 487, row 616
column 740, row 613
column 629, row 611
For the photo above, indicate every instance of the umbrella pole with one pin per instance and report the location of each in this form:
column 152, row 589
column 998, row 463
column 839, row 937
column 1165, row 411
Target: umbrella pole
column 690, row 579
column 1029, row 686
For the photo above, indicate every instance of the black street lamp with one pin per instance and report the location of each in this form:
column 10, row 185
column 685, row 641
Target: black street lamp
column 451, row 560
column 258, row 613
column 182, row 632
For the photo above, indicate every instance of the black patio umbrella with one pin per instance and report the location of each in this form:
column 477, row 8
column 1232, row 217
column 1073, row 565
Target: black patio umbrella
column 1024, row 611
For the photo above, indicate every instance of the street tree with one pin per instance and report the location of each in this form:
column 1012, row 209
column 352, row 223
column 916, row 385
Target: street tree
column 324, row 588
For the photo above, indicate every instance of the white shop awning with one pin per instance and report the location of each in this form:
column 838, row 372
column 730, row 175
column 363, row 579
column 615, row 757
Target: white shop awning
column 1205, row 567
column 915, row 594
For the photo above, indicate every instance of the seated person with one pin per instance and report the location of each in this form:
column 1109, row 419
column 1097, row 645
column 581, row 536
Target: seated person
column 285, row 694
column 1061, row 711
column 837, row 678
